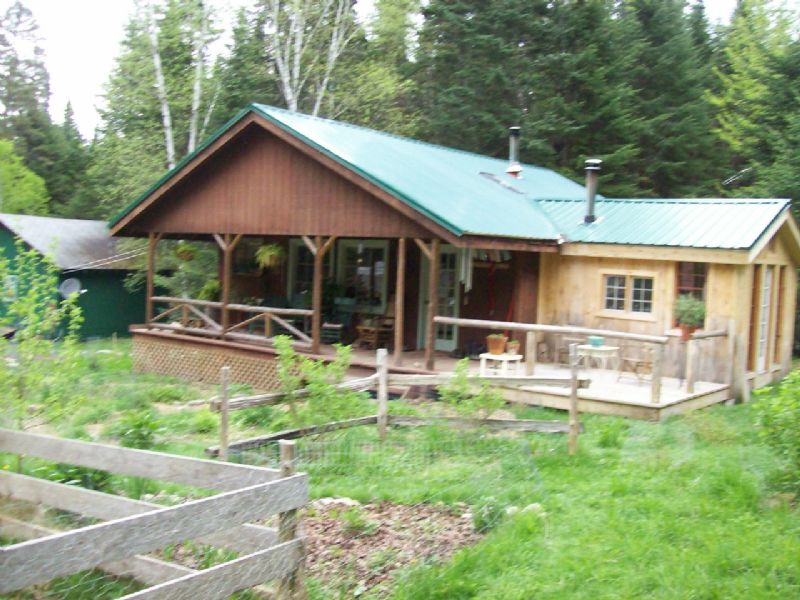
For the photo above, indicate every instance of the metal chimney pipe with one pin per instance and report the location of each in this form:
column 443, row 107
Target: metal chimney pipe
column 514, row 168
column 592, row 175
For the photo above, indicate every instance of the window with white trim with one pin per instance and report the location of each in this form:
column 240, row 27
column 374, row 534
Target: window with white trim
column 627, row 293
column 363, row 273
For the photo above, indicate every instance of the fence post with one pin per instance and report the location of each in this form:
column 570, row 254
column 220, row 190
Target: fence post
column 658, row 359
column 730, row 377
column 224, row 379
column 573, row 399
column 691, row 359
column 290, row 586
column 530, row 352
column 383, row 392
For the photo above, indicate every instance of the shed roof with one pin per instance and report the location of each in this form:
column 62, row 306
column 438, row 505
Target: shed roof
column 70, row 243
column 471, row 194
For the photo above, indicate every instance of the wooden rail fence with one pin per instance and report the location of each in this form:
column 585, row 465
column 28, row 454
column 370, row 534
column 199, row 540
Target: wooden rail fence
column 134, row 528
column 381, row 380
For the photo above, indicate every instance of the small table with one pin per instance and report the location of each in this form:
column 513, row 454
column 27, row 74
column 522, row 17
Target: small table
column 500, row 369
column 600, row 354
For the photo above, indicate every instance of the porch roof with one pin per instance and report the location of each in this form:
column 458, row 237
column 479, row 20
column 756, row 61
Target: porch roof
column 471, row 194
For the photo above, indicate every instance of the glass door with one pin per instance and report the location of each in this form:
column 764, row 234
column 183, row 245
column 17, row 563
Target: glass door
column 763, row 320
column 446, row 338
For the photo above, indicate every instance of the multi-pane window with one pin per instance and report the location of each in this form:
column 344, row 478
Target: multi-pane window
column 628, row 293
column 692, row 279
column 642, row 295
column 615, row 292
column 363, row 273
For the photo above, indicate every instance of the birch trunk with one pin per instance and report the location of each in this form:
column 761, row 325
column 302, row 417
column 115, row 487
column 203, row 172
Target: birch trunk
column 161, row 88
column 199, row 55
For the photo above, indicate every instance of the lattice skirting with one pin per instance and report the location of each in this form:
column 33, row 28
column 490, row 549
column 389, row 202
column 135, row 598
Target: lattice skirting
column 195, row 362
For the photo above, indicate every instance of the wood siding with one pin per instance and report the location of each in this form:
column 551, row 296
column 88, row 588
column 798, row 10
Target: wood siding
column 259, row 184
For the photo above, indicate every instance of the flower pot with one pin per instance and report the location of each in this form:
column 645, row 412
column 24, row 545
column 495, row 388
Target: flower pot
column 496, row 344
column 512, row 347
column 686, row 331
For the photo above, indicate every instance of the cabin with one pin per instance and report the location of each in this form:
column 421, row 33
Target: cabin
column 89, row 262
column 388, row 241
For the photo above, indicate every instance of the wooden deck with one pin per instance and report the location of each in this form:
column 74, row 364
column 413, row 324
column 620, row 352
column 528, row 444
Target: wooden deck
column 608, row 393
column 199, row 359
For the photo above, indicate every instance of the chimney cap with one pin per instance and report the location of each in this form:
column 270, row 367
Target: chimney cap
column 514, row 130
column 593, row 164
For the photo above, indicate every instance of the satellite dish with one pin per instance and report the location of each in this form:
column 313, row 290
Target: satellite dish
column 69, row 286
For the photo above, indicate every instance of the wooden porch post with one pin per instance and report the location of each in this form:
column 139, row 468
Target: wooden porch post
column 152, row 242
column 433, row 301
column 318, row 249
column 399, row 301
column 227, row 244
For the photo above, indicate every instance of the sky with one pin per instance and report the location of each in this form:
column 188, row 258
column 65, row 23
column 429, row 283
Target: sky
column 81, row 39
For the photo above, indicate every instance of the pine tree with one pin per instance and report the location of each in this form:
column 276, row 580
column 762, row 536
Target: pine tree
column 677, row 149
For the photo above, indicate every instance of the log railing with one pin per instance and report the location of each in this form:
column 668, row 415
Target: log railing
column 531, row 329
column 185, row 313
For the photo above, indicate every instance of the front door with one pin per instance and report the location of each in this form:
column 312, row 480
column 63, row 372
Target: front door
column 764, row 319
column 446, row 338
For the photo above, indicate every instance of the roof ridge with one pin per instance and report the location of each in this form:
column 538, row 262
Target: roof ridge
column 385, row 133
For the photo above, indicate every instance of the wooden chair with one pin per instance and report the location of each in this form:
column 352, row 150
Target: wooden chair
column 376, row 331
column 636, row 359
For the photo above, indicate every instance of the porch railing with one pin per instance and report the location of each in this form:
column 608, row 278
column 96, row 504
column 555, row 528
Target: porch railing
column 659, row 344
column 187, row 315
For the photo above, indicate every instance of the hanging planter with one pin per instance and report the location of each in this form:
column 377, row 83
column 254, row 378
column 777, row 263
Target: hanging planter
column 270, row 256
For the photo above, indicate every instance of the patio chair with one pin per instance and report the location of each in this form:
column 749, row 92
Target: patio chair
column 376, row 331
column 637, row 360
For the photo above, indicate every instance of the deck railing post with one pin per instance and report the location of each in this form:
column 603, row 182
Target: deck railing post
column 691, row 366
column 290, row 586
column 152, row 242
column 530, row 352
column 433, row 301
column 729, row 376
column 573, row 399
column 658, row 359
column 399, row 301
column 224, row 411
column 383, row 392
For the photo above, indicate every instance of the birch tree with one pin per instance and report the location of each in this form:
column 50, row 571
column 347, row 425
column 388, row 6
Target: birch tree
column 305, row 40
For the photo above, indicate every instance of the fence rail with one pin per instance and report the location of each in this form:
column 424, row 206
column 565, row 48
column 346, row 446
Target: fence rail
column 135, row 528
column 190, row 311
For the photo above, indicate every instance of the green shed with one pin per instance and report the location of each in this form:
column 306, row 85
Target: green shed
column 85, row 253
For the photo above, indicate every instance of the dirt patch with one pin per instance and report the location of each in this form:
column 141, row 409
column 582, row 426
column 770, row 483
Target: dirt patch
column 355, row 548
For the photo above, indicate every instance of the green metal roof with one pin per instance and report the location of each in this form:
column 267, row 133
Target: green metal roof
column 699, row 223
column 471, row 194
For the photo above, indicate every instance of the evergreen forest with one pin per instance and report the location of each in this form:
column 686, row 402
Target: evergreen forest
column 675, row 108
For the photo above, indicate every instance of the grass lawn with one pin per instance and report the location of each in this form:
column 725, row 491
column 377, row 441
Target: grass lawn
column 688, row 508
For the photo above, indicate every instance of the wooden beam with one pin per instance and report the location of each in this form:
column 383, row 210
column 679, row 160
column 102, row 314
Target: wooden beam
column 574, row 426
column 691, row 364
column 227, row 263
column 38, row 561
column 220, row 581
column 433, row 301
column 316, row 290
column 310, row 245
column 423, row 248
column 220, row 242
column 530, row 352
column 658, row 365
column 195, row 472
column 152, row 242
column 654, row 253
column 401, row 379
column 107, row 507
column 399, row 302
column 145, row 569
column 290, row 586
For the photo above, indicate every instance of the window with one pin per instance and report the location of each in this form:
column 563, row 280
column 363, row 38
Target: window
column 628, row 293
column 642, row 295
column 615, row 292
column 692, row 279
column 363, row 273
column 301, row 271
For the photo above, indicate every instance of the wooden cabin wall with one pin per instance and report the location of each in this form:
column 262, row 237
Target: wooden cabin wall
column 572, row 293
column 259, row 184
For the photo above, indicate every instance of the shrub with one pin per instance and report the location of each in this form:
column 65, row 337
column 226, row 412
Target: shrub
column 487, row 514
column 460, row 392
column 137, row 429
column 690, row 311
column 778, row 418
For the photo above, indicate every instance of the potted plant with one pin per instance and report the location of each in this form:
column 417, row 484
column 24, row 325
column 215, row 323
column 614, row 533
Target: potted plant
column 512, row 347
column 496, row 343
column 690, row 313
column 269, row 256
